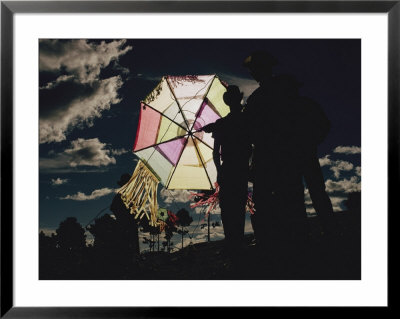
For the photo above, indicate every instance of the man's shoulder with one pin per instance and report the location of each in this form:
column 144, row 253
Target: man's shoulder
column 219, row 123
column 223, row 122
column 257, row 92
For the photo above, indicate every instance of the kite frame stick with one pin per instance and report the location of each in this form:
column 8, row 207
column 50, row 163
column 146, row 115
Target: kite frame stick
column 179, row 105
column 162, row 114
column 202, row 163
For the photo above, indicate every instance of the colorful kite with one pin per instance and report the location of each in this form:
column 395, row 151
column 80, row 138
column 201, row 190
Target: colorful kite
column 169, row 142
column 168, row 139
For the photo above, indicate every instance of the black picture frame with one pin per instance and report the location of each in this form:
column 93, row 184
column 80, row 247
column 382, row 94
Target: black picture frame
column 9, row 8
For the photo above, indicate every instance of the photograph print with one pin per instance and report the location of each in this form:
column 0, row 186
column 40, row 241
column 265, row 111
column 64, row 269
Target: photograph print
column 199, row 159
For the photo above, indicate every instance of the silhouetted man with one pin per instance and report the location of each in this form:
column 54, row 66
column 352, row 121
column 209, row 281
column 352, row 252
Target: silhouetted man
column 232, row 150
column 286, row 129
column 126, row 222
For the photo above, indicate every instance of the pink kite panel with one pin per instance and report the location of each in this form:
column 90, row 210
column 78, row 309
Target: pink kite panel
column 149, row 121
column 206, row 116
column 172, row 150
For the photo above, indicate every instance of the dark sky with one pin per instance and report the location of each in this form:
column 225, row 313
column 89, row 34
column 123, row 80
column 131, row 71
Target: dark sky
column 89, row 104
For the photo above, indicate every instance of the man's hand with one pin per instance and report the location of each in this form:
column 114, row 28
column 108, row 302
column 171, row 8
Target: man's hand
column 208, row 128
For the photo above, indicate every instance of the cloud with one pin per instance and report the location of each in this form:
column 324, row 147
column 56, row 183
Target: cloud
column 335, row 200
column 336, row 166
column 248, row 228
column 339, row 188
column 325, row 161
column 310, row 210
column 183, row 196
column 307, row 198
column 347, row 150
column 352, row 184
column 175, row 196
column 203, row 210
column 339, row 166
column 82, row 106
column 97, row 193
column 80, row 58
column 48, row 231
column 58, row 181
column 119, row 151
column 200, row 235
column 71, row 170
column 60, row 79
column 89, row 152
column 75, row 94
column 82, row 152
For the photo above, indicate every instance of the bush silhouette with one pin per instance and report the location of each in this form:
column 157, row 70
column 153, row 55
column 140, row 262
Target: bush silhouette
column 184, row 220
column 154, row 231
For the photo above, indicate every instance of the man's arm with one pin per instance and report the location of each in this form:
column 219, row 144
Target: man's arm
column 209, row 128
column 320, row 199
column 316, row 186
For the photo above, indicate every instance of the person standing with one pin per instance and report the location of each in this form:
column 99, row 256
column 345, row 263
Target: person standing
column 285, row 129
column 232, row 151
column 126, row 223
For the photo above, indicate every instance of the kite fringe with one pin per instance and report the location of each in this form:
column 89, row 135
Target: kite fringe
column 139, row 194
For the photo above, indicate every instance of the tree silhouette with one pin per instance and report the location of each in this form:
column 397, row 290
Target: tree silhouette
column 169, row 233
column 153, row 232
column 169, row 230
column 47, row 251
column 70, row 235
column 184, row 220
column 62, row 255
column 47, row 242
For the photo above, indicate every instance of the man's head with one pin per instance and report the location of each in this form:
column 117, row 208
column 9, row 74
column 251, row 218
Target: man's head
column 260, row 64
column 124, row 179
column 233, row 97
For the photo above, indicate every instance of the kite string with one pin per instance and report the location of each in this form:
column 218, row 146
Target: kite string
column 98, row 214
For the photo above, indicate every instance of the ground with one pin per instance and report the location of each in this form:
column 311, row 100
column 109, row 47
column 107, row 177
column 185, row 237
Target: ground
column 207, row 261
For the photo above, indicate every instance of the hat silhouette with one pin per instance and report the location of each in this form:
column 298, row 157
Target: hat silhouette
column 232, row 95
column 259, row 59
